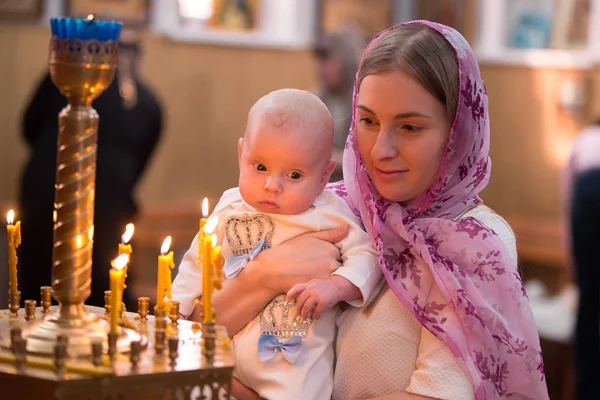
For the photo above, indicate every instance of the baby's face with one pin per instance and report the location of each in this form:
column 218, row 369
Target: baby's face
column 282, row 170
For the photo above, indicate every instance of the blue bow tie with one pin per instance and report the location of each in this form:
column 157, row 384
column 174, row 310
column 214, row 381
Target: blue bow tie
column 234, row 264
column 269, row 345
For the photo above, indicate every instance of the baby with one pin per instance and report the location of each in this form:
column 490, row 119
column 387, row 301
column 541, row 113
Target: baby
column 286, row 352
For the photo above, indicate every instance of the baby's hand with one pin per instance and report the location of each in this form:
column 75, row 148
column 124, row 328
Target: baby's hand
column 320, row 294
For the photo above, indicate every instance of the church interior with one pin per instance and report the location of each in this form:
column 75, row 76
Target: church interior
column 206, row 70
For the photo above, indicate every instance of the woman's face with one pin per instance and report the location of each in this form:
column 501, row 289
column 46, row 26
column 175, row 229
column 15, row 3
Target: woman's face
column 402, row 132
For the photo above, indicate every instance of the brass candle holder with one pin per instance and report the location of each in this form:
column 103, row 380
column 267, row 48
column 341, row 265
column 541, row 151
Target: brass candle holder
column 209, row 334
column 134, row 354
column 107, row 296
column 173, row 350
column 82, row 63
column 112, row 344
column 14, row 303
column 30, row 310
column 20, row 352
column 46, row 298
column 97, row 353
column 174, row 312
column 143, row 305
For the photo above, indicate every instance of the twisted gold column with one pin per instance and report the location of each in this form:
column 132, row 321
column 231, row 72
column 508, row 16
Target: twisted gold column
column 74, row 207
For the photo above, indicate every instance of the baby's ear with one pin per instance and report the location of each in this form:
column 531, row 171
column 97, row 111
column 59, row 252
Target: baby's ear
column 240, row 147
column 327, row 174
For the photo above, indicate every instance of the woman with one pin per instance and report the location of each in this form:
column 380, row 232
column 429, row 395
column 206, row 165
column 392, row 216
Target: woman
column 452, row 320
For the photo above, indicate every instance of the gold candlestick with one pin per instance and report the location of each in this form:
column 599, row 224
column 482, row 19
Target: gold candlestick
column 82, row 67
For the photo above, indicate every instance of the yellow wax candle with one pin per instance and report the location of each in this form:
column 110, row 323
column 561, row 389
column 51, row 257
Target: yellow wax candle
column 207, row 269
column 116, row 288
column 14, row 240
column 218, row 262
column 201, row 231
column 165, row 264
column 125, row 247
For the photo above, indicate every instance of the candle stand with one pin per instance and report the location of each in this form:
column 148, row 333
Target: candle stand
column 180, row 371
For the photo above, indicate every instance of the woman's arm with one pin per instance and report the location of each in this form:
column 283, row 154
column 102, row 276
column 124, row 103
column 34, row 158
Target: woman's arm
column 403, row 396
column 275, row 271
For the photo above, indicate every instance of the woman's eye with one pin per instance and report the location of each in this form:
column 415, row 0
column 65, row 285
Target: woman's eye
column 260, row 167
column 366, row 120
column 411, row 128
column 295, row 175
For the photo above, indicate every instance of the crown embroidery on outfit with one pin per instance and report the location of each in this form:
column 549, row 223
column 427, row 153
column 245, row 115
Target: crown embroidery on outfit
column 244, row 233
column 282, row 327
column 277, row 325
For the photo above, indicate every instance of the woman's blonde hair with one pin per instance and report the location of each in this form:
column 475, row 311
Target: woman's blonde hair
column 422, row 52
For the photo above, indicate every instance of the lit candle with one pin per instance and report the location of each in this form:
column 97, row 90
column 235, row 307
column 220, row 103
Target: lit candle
column 116, row 289
column 14, row 240
column 207, row 268
column 201, row 231
column 165, row 264
column 125, row 246
column 218, row 261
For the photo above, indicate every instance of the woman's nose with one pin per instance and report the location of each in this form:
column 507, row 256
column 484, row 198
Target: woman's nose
column 384, row 147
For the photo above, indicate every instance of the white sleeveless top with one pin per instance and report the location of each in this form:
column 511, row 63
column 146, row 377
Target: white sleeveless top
column 383, row 349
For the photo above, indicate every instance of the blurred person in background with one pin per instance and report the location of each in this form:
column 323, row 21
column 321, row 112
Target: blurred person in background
column 130, row 126
column 337, row 57
column 582, row 208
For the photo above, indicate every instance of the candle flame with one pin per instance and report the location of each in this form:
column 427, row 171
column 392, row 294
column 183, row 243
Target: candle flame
column 205, row 207
column 165, row 246
column 90, row 233
column 79, row 241
column 90, row 17
column 211, row 225
column 54, row 216
column 126, row 237
column 120, row 262
column 10, row 217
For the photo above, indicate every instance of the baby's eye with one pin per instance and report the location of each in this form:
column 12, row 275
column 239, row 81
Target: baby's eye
column 295, row 175
column 260, row 167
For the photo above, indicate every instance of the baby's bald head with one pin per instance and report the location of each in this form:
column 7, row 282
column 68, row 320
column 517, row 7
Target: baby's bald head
column 295, row 112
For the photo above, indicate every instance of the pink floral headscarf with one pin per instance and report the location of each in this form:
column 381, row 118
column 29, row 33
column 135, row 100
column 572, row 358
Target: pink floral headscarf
column 456, row 277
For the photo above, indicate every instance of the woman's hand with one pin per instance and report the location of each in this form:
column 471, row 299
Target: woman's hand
column 274, row 271
column 309, row 256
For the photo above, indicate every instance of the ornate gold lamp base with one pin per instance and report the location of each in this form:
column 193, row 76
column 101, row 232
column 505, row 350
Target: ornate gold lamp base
column 82, row 329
